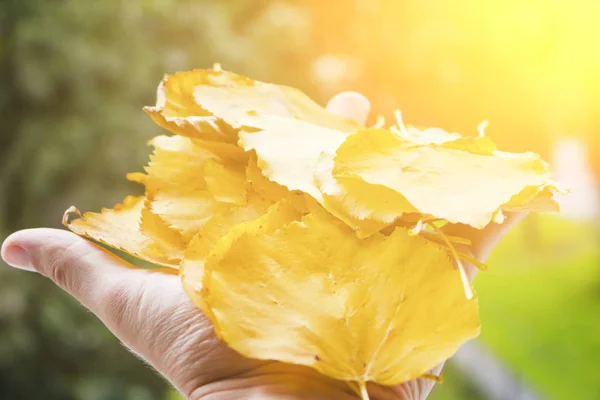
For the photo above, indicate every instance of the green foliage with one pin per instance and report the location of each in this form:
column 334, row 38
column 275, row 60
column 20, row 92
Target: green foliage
column 456, row 386
column 540, row 308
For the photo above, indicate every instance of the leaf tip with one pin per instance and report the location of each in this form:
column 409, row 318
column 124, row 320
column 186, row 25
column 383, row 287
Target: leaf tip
column 67, row 214
column 481, row 128
column 433, row 377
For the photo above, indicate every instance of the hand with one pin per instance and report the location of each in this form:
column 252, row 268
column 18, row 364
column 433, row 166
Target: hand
column 150, row 313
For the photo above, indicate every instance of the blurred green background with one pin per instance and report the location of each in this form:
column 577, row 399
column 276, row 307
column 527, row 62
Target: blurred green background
column 75, row 74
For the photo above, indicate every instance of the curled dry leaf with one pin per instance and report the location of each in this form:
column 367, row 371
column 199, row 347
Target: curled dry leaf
column 133, row 228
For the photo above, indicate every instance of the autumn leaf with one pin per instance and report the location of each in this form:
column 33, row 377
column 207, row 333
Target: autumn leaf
column 358, row 209
column 306, row 290
column 133, row 228
column 201, row 246
column 448, row 181
column 298, row 155
column 177, row 111
column 210, row 104
column 188, row 181
column 289, row 150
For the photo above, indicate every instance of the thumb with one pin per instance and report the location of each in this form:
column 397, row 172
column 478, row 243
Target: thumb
column 147, row 310
column 350, row 105
column 483, row 241
column 144, row 309
column 89, row 273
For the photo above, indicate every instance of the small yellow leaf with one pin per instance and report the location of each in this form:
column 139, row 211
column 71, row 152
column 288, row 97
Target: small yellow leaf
column 308, row 291
column 189, row 181
column 177, row 111
column 132, row 228
column 187, row 213
column 167, row 242
column 475, row 145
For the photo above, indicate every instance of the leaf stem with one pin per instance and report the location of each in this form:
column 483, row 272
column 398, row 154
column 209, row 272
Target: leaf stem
column 364, row 394
column 461, row 269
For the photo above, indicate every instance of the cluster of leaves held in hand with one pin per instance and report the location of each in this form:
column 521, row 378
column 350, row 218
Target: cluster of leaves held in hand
column 309, row 239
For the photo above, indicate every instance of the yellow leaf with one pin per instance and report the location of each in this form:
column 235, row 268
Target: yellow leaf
column 210, row 104
column 187, row 213
column 425, row 136
column 444, row 182
column 192, row 267
column 133, row 228
column 299, row 156
column 264, row 187
column 227, row 185
column 289, row 150
column 475, row 145
column 357, row 208
column 438, row 136
column 189, row 181
column 533, row 198
column 308, row 291
column 168, row 243
column 177, row 111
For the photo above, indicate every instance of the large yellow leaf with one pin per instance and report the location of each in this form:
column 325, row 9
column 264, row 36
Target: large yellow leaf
column 133, row 228
column 377, row 169
column 385, row 309
column 210, row 104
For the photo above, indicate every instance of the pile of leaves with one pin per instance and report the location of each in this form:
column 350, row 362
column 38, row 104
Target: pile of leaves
column 309, row 239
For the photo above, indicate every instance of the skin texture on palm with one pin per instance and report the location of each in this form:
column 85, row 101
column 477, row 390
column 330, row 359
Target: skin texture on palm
column 151, row 314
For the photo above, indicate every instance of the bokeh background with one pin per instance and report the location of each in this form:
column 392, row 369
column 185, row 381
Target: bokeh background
column 75, row 74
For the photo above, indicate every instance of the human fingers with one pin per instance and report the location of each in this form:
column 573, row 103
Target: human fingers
column 147, row 311
column 350, row 105
column 484, row 240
